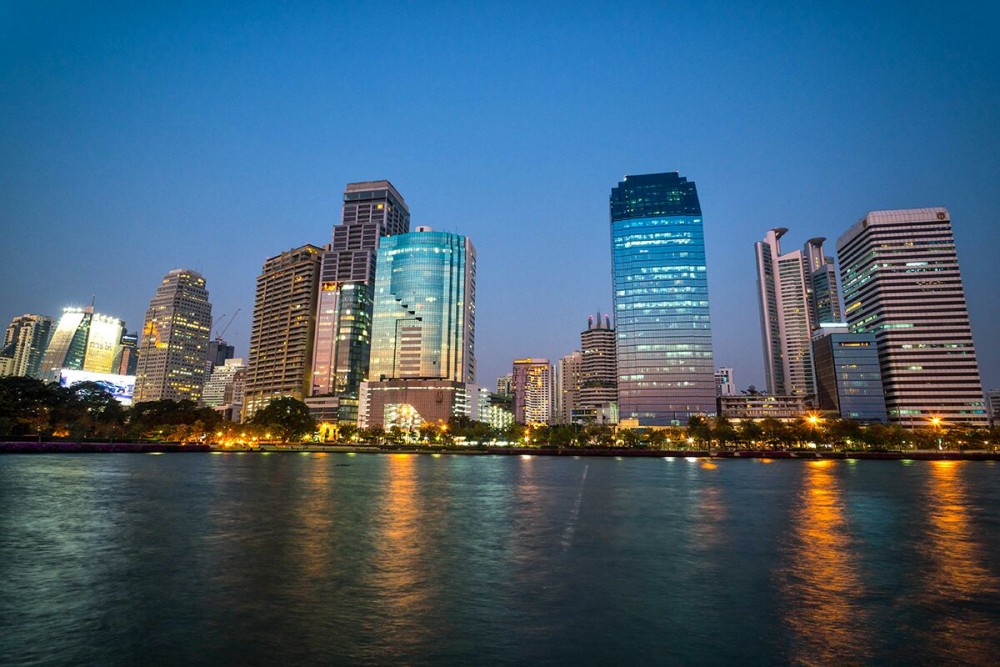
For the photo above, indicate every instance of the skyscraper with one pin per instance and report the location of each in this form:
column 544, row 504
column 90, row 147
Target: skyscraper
column 901, row 281
column 82, row 340
column 372, row 210
column 281, row 336
column 423, row 324
column 532, row 391
column 24, row 344
column 664, row 333
column 174, row 339
column 567, row 388
column 796, row 292
column 725, row 385
column 598, row 375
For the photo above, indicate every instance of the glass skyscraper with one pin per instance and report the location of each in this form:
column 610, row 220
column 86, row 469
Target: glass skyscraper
column 665, row 370
column 423, row 324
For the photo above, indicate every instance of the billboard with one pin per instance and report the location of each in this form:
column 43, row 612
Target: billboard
column 119, row 386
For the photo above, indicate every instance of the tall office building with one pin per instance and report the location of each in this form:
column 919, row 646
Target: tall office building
column 796, row 292
column 372, row 210
column 82, row 340
column 24, row 344
column 423, row 326
column 174, row 340
column 993, row 406
column 598, row 370
column 532, row 391
column 283, row 329
column 901, row 281
column 664, row 333
column 567, row 388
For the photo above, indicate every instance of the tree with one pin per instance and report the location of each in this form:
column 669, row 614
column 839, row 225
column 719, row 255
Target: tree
column 285, row 416
column 700, row 429
column 724, row 431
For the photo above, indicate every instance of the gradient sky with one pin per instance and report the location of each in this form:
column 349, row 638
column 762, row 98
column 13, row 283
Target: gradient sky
column 211, row 136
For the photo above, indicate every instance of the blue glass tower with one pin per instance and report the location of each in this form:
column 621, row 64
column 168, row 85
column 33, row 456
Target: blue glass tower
column 665, row 370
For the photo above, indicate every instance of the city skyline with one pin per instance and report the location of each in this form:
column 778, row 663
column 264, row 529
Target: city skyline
column 172, row 141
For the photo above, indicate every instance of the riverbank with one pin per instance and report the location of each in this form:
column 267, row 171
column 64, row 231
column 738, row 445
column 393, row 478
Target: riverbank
column 28, row 447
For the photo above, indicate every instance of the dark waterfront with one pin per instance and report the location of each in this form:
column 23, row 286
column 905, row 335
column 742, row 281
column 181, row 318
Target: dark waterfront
column 332, row 558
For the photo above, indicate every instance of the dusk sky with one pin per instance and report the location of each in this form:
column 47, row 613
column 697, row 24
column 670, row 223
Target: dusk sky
column 212, row 136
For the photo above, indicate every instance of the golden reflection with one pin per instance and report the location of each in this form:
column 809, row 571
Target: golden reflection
column 959, row 631
column 317, row 517
column 820, row 584
column 400, row 576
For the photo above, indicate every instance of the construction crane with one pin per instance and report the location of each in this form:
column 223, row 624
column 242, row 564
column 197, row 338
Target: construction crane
column 220, row 334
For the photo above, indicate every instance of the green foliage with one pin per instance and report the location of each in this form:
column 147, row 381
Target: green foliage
column 286, row 417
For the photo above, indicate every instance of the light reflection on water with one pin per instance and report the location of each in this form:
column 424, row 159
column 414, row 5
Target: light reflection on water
column 820, row 583
column 960, row 628
column 114, row 559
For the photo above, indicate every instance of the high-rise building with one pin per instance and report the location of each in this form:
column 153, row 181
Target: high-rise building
column 901, row 281
column 796, row 292
column 82, row 340
column 423, row 324
column 532, row 391
column 567, row 388
column 848, row 379
column 664, row 333
column 283, row 329
column 24, row 344
column 598, row 370
column 174, row 339
column 725, row 385
column 372, row 210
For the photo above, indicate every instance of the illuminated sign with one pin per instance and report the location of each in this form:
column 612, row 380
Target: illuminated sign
column 121, row 387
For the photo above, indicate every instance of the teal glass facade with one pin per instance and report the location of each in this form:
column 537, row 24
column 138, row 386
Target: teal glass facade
column 664, row 333
column 423, row 321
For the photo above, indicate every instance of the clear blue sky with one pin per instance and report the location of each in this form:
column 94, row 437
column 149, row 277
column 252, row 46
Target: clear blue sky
column 211, row 136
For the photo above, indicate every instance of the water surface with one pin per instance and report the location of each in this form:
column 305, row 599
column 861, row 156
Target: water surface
column 316, row 558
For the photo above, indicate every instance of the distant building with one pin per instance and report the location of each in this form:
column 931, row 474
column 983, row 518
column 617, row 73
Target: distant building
column 664, row 344
column 218, row 352
column 282, row 333
column 796, row 292
column 423, row 362
column 598, row 372
column 82, row 340
column 848, row 379
column 174, row 339
column 372, row 210
column 762, row 406
column 505, row 385
column 532, row 391
column 127, row 360
column 24, row 345
column 725, row 385
column 226, row 385
column 567, row 388
column 993, row 406
column 902, row 283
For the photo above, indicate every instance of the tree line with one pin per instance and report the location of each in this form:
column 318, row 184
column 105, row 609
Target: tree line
column 30, row 408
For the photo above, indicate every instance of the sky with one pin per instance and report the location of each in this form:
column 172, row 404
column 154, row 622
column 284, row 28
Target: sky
column 210, row 136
